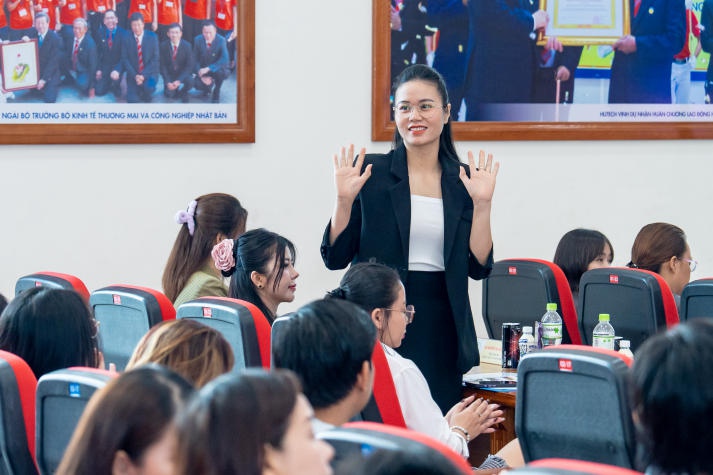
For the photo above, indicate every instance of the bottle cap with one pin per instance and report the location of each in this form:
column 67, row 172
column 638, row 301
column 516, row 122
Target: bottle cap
column 603, row 317
column 527, row 329
column 551, row 307
column 624, row 344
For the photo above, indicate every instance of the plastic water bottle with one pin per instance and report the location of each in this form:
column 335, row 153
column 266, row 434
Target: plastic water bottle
column 603, row 334
column 625, row 348
column 551, row 326
column 527, row 341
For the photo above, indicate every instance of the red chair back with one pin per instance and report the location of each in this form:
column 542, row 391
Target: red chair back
column 384, row 404
column 52, row 279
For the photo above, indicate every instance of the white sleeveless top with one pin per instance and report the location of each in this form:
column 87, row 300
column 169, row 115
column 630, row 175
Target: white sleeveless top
column 426, row 235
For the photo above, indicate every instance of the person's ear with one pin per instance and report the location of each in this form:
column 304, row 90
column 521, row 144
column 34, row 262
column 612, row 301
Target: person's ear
column 378, row 316
column 272, row 460
column 257, row 279
column 448, row 114
column 672, row 264
column 122, row 464
column 365, row 376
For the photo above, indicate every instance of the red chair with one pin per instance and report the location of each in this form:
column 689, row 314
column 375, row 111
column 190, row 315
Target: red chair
column 571, row 467
column 54, row 280
column 572, row 402
column 125, row 313
column 383, row 406
column 639, row 302
column 17, row 416
column 241, row 323
column 62, row 396
column 360, row 439
column 518, row 290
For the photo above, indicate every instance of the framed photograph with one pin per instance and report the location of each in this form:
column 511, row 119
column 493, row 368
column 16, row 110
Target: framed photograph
column 584, row 114
column 19, row 65
column 228, row 116
column 577, row 23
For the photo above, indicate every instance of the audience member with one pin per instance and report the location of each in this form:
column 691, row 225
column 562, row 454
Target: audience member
column 140, row 60
column 254, row 423
column 109, row 67
column 211, row 61
column 581, row 250
column 662, row 248
column 190, row 272
column 176, row 64
column 328, row 344
column 377, row 289
column 50, row 52
column 261, row 266
column 672, row 399
column 128, row 426
column 50, row 329
column 80, row 60
column 195, row 351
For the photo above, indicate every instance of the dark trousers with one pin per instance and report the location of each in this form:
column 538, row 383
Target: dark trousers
column 142, row 93
column 218, row 78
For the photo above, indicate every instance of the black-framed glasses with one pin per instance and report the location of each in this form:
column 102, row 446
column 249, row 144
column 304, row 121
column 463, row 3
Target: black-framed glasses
column 424, row 108
column 408, row 312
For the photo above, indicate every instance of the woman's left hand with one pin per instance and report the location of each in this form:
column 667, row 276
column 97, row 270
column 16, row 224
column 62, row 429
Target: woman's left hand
column 481, row 183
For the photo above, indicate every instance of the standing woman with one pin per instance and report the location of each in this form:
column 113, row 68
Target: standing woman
column 421, row 211
column 189, row 272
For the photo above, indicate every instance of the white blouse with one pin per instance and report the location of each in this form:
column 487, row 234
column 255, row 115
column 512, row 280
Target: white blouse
column 426, row 235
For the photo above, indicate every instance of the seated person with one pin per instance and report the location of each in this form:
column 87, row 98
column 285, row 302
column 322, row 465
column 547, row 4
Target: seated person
column 255, row 423
column 109, row 67
column 210, row 55
column 190, row 272
column 581, row 250
column 328, row 344
column 50, row 329
column 80, row 64
column 128, row 426
column 140, row 60
column 378, row 290
column 176, row 64
column 193, row 350
column 662, row 248
column 672, row 399
column 260, row 265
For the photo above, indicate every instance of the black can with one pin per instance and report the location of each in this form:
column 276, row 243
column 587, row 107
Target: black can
column 511, row 348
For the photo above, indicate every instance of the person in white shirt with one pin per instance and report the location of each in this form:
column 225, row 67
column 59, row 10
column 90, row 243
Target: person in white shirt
column 378, row 290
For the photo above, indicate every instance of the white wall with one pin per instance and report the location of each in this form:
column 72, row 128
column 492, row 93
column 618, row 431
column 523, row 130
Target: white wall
column 105, row 213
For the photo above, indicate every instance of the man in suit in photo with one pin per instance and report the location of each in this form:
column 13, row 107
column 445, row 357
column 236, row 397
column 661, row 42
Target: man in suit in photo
column 176, row 64
column 50, row 47
column 140, row 59
column 109, row 69
column 81, row 58
column 210, row 54
column 641, row 70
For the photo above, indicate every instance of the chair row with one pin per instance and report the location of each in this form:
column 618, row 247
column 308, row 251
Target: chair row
column 640, row 302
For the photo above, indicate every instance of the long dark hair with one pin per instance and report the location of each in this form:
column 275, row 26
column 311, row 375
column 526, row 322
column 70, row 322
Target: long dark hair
column 253, row 251
column 214, row 214
column 50, row 329
column 227, row 427
column 131, row 413
column 576, row 250
column 421, row 72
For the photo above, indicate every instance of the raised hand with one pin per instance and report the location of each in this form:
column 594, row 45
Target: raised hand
column 481, row 183
column 348, row 177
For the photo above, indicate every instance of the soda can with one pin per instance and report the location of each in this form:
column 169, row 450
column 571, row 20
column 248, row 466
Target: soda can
column 511, row 347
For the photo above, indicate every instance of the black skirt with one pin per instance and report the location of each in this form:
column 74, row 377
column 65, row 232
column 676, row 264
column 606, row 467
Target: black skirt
column 431, row 340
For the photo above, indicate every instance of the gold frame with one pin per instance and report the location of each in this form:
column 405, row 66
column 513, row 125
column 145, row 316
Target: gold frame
column 589, row 40
column 382, row 127
column 243, row 131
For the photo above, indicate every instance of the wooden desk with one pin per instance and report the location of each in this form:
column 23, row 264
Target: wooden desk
column 481, row 446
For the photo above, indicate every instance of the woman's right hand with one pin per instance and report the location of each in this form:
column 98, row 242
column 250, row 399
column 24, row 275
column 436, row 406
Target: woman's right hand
column 348, row 177
column 477, row 418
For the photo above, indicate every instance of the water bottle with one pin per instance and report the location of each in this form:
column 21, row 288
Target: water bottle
column 551, row 326
column 603, row 334
column 527, row 341
column 625, row 348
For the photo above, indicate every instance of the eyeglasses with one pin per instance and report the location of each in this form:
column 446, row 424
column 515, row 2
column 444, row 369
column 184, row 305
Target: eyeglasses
column 408, row 313
column 691, row 263
column 424, row 108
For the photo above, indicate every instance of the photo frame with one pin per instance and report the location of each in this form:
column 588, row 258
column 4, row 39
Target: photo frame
column 242, row 130
column 19, row 65
column 382, row 126
column 602, row 22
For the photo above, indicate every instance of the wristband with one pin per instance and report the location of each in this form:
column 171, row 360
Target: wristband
column 461, row 429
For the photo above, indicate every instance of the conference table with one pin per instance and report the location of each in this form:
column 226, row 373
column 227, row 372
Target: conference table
column 482, row 445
